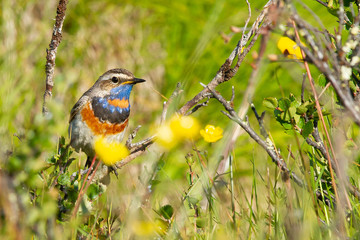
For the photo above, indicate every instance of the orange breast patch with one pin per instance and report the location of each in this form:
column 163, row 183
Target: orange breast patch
column 123, row 103
column 97, row 127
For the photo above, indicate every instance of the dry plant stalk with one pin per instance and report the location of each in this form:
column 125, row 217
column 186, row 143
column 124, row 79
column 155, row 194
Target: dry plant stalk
column 51, row 53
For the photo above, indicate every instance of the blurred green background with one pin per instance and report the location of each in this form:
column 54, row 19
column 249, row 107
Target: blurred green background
column 164, row 42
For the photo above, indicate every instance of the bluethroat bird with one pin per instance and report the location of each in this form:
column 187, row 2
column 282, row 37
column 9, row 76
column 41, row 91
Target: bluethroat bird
column 103, row 110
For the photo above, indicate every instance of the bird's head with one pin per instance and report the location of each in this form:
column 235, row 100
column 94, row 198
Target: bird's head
column 117, row 82
column 110, row 95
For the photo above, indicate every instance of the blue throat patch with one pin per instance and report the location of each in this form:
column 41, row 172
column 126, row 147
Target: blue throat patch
column 108, row 112
column 121, row 92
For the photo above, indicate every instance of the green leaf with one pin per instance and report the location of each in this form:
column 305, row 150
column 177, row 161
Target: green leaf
column 284, row 104
column 200, row 222
column 52, row 160
column 292, row 111
column 188, row 177
column 297, row 118
column 277, row 113
column 285, row 116
column 167, row 211
column 352, row 86
column 295, row 104
column 270, row 102
column 301, row 110
column 64, row 179
column 301, row 123
column 93, row 191
column 287, row 126
column 292, row 97
column 307, row 129
column 322, row 80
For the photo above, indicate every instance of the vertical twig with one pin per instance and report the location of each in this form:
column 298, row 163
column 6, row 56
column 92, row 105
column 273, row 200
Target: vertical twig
column 303, row 88
column 87, row 182
column 51, row 53
column 245, row 37
column 232, row 190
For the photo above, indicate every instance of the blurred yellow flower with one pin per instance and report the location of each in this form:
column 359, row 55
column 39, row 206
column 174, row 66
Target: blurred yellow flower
column 184, row 127
column 211, row 133
column 161, row 226
column 143, row 228
column 109, row 152
column 148, row 228
column 165, row 136
column 289, row 48
column 176, row 130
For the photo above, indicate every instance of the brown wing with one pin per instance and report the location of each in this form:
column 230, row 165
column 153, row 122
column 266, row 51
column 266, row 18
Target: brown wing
column 78, row 106
column 85, row 98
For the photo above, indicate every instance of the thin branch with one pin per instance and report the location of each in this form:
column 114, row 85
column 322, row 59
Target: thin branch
column 245, row 37
column 198, row 106
column 303, row 88
column 322, row 3
column 131, row 137
column 232, row 190
column 139, row 148
column 232, row 95
column 51, row 53
column 325, row 88
column 260, row 121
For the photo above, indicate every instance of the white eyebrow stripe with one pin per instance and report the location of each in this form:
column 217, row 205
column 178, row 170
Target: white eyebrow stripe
column 123, row 76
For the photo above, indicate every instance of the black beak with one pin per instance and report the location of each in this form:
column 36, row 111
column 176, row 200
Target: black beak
column 137, row 80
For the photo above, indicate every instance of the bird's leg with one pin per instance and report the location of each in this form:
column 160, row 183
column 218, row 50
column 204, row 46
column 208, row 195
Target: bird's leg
column 89, row 165
column 114, row 170
column 88, row 162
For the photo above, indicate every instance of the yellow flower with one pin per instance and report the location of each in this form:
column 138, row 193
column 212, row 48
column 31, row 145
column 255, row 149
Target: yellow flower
column 184, row 127
column 109, row 152
column 211, row 133
column 176, row 130
column 165, row 136
column 289, row 48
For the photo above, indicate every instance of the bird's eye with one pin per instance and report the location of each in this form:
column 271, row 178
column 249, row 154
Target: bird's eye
column 114, row 79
